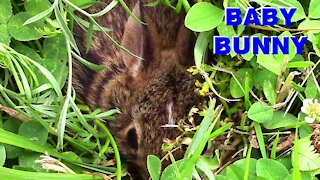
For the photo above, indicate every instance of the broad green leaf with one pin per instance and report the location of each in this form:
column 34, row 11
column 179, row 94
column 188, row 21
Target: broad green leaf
column 55, row 48
column 314, row 40
column 235, row 172
column 314, row 9
column 269, row 62
column 269, row 92
column 260, row 76
column 27, row 159
column 280, row 120
column 154, row 166
column 27, row 51
column 34, row 131
column 204, row 164
column 2, row 155
column 304, row 130
column 311, row 90
column 12, row 125
column 220, row 177
column 7, row 173
column 308, row 159
column 304, row 176
column 240, row 29
column 271, row 169
column 260, row 112
column 286, row 161
column 203, row 16
column 212, row 163
column 298, row 15
column 36, row 6
column 307, row 24
column 4, row 35
column 225, row 30
column 5, row 11
column 280, row 56
column 248, row 56
column 55, row 54
column 24, row 33
column 170, row 172
column 58, row 69
column 237, row 90
column 252, row 168
column 229, row 32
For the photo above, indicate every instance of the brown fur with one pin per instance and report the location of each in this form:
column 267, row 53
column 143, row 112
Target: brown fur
column 140, row 89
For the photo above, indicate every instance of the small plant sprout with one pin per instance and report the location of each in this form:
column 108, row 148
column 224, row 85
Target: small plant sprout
column 311, row 108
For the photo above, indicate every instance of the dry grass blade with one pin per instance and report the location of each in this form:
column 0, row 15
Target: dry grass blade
column 15, row 114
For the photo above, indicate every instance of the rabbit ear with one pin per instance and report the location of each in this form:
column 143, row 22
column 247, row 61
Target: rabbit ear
column 184, row 46
column 133, row 40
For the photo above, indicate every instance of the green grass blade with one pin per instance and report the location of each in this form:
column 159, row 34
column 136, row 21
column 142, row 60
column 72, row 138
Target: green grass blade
column 22, row 142
column 274, row 147
column 7, row 173
column 200, row 138
column 65, row 29
column 220, row 130
column 90, row 65
column 201, row 47
column 102, row 29
column 247, row 164
column 201, row 132
column 45, row 72
column 15, row 74
column 24, row 80
column 63, row 114
column 41, row 15
column 85, row 24
column 83, row 120
column 295, row 158
column 89, row 37
column 127, row 9
column 106, row 9
column 114, row 146
column 259, row 134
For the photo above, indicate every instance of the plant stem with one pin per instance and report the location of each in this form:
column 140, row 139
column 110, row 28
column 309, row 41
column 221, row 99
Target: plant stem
column 114, row 146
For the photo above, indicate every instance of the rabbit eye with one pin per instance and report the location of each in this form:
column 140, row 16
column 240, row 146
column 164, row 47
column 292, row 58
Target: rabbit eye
column 132, row 138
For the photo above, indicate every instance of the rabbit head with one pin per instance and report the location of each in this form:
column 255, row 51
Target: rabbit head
column 154, row 91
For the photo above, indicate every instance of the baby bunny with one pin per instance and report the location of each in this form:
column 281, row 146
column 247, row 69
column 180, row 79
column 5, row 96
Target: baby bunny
column 150, row 93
